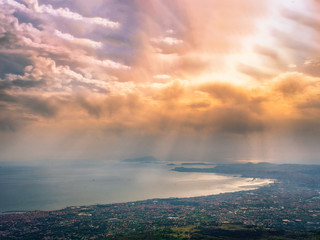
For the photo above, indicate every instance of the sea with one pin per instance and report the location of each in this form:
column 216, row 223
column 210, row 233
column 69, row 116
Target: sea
column 29, row 187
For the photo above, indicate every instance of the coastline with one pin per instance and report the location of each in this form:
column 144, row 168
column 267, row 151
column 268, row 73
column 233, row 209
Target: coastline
column 255, row 183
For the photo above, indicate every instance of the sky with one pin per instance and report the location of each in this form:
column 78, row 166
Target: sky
column 180, row 80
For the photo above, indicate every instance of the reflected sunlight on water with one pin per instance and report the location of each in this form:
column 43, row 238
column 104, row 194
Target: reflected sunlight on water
column 56, row 187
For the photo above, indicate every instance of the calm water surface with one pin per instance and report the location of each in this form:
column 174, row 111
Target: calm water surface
column 58, row 186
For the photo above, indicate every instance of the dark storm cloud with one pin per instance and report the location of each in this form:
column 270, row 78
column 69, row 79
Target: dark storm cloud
column 4, row 97
column 310, row 103
column 199, row 105
column 225, row 92
column 27, row 84
column 7, row 124
column 19, row 83
column 12, row 63
column 239, row 110
column 40, row 106
column 92, row 108
column 6, row 38
column 236, row 120
column 290, row 86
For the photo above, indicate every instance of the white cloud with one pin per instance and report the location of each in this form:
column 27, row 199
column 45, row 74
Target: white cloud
column 36, row 45
column 66, row 13
column 65, row 36
column 14, row 4
column 33, row 4
column 162, row 76
column 167, row 40
column 58, row 78
column 80, row 41
column 104, row 63
column 59, row 12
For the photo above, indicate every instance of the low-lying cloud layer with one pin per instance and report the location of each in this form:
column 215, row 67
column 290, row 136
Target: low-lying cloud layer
column 180, row 80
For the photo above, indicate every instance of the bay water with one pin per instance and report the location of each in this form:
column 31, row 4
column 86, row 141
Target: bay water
column 56, row 186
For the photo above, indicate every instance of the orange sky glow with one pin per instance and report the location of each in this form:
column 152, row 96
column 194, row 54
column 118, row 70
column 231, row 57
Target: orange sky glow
column 181, row 80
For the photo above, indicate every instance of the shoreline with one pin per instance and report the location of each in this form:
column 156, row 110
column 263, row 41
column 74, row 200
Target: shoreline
column 241, row 188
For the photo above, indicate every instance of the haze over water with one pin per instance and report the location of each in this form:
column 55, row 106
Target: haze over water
column 58, row 186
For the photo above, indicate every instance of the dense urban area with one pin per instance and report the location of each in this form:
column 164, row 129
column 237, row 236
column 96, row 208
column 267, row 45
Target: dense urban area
column 286, row 209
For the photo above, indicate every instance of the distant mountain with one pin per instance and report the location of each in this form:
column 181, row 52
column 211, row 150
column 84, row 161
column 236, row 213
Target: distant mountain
column 200, row 164
column 146, row 159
